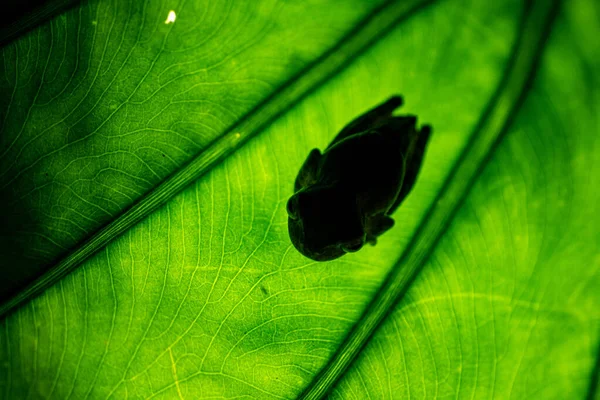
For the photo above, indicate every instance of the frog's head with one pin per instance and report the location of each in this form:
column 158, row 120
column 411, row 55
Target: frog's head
column 325, row 222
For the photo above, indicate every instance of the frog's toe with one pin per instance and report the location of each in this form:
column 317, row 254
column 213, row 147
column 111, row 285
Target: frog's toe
column 372, row 240
column 394, row 102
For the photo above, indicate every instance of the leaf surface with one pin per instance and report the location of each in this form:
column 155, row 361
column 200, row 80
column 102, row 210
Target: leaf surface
column 507, row 306
column 207, row 298
column 104, row 102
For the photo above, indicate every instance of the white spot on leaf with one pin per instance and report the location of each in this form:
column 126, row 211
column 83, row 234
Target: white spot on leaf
column 171, row 17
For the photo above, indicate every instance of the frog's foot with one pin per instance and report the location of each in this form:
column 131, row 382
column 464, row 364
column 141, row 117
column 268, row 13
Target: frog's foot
column 424, row 137
column 382, row 115
column 376, row 226
column 371, row 239
column 390, row 105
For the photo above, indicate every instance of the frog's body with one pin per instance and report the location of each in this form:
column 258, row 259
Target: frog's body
column 344, row 197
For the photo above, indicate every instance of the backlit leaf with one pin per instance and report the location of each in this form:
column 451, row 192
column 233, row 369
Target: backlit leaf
column 207, row 298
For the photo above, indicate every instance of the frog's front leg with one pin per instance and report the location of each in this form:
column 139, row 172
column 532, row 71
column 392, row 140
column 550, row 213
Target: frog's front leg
column 308, row 173
column 377, row 225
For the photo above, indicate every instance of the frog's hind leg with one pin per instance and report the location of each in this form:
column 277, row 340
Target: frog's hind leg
column 376, row 226
column 413, row 165
column 403, row 126
column 399, row 132
column 369, row 119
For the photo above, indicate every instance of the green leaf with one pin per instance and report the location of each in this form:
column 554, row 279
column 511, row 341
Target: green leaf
column 508, row 303
column 22, row 16
column 105, row 102
column 207, row 298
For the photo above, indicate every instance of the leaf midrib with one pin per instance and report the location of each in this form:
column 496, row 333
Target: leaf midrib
column 34, row 15
column 364, row 35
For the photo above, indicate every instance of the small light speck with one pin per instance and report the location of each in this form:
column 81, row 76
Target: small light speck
column 171, row 17
column 238, row 135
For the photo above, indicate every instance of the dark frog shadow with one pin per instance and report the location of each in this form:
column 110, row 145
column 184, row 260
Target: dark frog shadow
column 344, row 197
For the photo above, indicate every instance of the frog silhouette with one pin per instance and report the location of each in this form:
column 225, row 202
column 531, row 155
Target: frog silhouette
column 343, row 198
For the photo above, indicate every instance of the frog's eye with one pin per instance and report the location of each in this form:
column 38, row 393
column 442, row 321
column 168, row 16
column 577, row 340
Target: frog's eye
column 292, row 208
